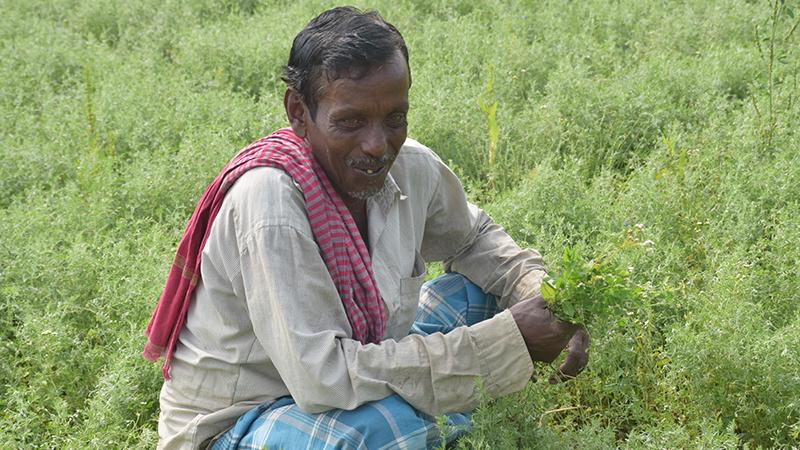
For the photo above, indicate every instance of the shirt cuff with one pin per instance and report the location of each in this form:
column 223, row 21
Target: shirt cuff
column 505, row 364
column 528, row 287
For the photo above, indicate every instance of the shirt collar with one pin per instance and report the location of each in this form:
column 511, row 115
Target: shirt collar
column 387, row 195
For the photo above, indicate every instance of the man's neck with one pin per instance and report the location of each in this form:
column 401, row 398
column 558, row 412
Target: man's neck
column 358, row 209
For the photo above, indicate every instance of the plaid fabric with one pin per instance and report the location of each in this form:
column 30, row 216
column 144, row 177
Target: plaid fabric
column 343, row 250
column 451, row 301
column 389, row 423
column 447, row 302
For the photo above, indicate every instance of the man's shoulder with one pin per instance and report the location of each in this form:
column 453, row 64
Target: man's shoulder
column 417, row 169
column 416, row 158
column 265, row 184
column 267, row 195
column 414, row 150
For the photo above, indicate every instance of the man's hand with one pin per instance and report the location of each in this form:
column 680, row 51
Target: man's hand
column 546, row 336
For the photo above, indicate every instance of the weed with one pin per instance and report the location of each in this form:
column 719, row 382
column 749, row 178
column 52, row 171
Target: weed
column 488, row 105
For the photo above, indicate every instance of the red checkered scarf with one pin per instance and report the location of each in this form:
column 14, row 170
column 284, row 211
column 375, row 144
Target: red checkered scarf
column 335, row 231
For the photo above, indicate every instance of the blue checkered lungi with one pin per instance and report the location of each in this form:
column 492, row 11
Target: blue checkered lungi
column 447, row 302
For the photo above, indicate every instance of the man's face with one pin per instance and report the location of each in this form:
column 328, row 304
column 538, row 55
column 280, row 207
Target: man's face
column 359, row 128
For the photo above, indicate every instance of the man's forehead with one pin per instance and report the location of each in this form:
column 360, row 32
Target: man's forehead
column 345, row 96
column 390, row 78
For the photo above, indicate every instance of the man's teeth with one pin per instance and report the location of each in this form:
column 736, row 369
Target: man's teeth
column 370, row 171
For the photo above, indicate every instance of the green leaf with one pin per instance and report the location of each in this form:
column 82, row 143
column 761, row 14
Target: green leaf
column 568, row 310
column 548, row 290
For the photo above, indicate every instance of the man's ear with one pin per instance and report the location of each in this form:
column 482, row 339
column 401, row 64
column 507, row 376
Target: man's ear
column 295, row 111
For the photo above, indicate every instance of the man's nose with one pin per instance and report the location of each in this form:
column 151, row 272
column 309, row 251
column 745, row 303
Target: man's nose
column 375, row 141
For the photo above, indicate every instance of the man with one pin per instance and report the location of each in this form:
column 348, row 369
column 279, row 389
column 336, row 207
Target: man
column 304, row 324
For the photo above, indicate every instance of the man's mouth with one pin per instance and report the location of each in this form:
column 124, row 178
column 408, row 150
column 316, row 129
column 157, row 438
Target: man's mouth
column 370, row 171
column 372, row 167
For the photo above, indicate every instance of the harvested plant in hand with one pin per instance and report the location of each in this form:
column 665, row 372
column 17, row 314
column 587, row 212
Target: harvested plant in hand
column 588, row 289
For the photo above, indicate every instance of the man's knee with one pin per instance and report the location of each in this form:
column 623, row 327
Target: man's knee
column 451, row 301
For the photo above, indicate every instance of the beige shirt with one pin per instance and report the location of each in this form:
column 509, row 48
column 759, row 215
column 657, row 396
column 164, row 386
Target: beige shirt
column 266, row 320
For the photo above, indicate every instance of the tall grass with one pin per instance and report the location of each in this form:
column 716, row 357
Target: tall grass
column 657, row 135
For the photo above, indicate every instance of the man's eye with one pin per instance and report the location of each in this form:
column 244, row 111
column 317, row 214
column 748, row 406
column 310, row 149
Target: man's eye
column 349, row 124
column 397, row 120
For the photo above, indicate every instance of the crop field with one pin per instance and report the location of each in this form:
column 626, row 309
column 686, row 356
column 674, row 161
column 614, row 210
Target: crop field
column 650, row 150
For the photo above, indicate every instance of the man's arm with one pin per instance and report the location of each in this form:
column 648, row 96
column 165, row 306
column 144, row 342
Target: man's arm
column 470, row 243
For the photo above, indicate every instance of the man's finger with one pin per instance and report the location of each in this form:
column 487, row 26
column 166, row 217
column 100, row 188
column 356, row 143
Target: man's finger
column 577, row 357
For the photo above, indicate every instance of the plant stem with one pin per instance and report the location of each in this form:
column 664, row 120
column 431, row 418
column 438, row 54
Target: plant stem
column 553, row 411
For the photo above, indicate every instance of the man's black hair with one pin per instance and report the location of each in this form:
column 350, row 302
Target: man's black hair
column 340, row 42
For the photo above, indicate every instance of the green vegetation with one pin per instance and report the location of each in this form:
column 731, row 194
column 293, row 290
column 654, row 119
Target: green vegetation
column 659, row 138
column 585, row 290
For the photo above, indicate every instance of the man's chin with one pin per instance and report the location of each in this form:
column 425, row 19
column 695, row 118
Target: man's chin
column 367, row 193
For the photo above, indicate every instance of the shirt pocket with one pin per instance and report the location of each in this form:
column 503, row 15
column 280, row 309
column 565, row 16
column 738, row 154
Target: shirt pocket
column 411, row 285
column 409, row 298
